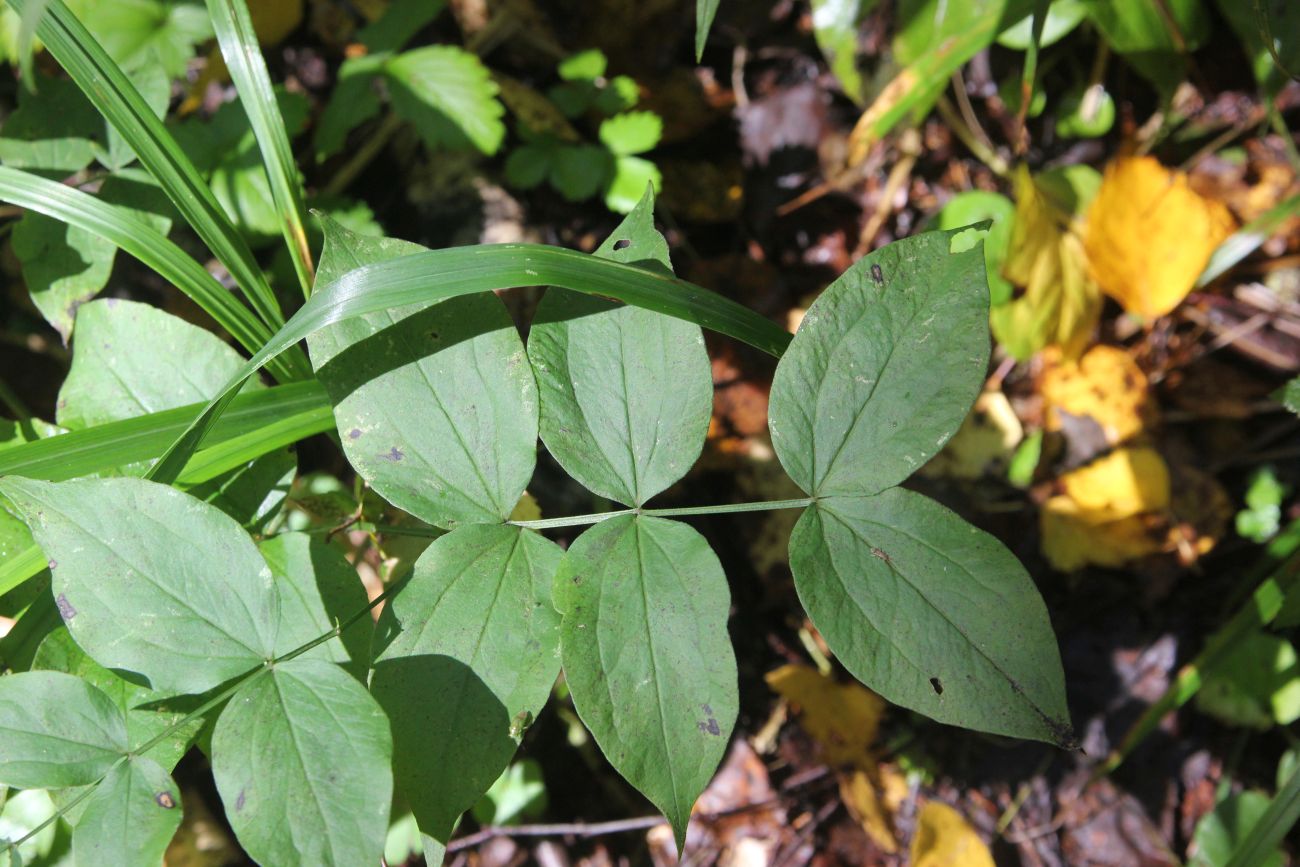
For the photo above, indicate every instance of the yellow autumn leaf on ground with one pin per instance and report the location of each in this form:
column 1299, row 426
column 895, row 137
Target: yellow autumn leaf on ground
column 1148, row 235
column 985, row 442
column 842, row 718
column 944, row 839
column 1111, row 511
column 872, row 798
column 1060, row 304
column 1105, row 385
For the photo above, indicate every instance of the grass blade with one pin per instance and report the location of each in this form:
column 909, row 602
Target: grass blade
column 137, row 237
column 239, row 46
column 1248, row 239
column 1267, row 834
column 113, row 94
column 440, row 274
column 300, row 409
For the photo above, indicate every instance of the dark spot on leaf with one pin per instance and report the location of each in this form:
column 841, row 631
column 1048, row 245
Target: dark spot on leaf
column 354, row 433
column 577, row 579
column 165, row 800
column 708, row 711
column 622, row 244
column 936, row 686
column 710, row 727
column 394, row 454
column 433, row 335
column 879, row 554
column 878, row 275
column 66, row 611
column 239, row 802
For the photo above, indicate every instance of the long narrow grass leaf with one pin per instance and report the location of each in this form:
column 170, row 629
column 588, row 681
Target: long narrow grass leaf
column 436, row 275
column 113, row 94
column 1267, row 834
column 300, row 408
column 238, row 41
column 1248, row 239
column 137, row 237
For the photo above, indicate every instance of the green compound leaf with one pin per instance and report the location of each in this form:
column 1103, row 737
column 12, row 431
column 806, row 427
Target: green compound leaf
column 58, row 652
column 435, row 403
column 932, row 613
column 318, row 588
column 646, row 655
column 130, row 818
column 301, row 756
column 475, row 651
column 450, row 97
column 883, row 369
column 151, row 580
column 626, row 393
column 57, row 731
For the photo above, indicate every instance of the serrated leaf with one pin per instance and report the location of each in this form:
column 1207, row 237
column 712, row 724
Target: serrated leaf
column 626, row 394
column 151, row 580
column 435, row 405
column 301, row 757
column 318, row 588
column 130, row 818
column 57, row 731
column 932, row 613
column 883, row 369
column 448, row 95
column 632, row 132
column 475, row 646
column 647, row 657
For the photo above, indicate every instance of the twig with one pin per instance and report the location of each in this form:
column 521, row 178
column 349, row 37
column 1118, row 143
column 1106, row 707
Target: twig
column 910, row 145
column 373, row 146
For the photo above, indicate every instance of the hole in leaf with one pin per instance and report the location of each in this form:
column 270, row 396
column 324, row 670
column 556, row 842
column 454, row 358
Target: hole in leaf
column 622, row 244
column 936, row 686
column 963, row 241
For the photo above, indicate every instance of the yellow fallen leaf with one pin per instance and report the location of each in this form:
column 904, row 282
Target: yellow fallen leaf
column 858, row 791
column 842, row 718
column 985, row 442
column 1105, row 384
column 1148, row 235
column 273, row 20
column 944, row 839
column 526, row 509
column 1112, row 511
column 1060, row 304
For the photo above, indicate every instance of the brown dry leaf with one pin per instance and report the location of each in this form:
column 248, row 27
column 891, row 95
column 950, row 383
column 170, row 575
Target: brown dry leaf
column 985, row 442
column 1148, row 235
column 842, row 718
column 944, row 839
column 1112, row 511
column 1105, row 385
column 1060, row 304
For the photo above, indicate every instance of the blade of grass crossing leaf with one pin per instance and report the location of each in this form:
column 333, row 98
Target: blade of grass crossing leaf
column 442, row 274
column 705, row 10
column 17, row 568
column 239, row 46
column 299, row 409
column 144, row 242
column 1248, row 239
column 113, row 94
column 1267, row 833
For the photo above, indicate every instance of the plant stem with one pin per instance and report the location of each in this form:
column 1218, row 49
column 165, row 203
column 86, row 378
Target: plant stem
column 370, row 149
column 685, row 512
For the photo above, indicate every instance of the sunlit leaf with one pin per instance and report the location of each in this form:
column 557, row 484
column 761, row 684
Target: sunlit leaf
column 58, row 731
column 944, row 839
column 130, row 818
column 447, row 94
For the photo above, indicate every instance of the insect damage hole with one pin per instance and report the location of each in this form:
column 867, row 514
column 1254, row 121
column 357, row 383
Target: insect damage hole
column 622, row 244
column 936, row 685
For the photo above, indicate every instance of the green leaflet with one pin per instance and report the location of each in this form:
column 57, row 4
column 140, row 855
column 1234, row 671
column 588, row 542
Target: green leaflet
column 57, row 731
column 626, row 394
column 884, row 368
column 448, row 95
column 58, row 652
column 131, row 359
column 301, row 757
column 835, row 24
column 931, row 613
column 647, row 657
column 435, row 405
column 151, row 580
column 474, row 645
column 440, row 274
column 318, row 588
column 130, row 818
column 705, row 10
column 52, row 131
